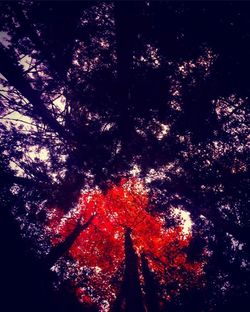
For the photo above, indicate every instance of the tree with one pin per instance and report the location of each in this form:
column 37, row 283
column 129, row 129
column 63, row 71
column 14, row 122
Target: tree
column 92, row 92
column 123, row 233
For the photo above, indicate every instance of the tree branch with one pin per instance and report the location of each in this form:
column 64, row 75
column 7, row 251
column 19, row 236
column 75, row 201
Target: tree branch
column 14, row 74
column 58, row 251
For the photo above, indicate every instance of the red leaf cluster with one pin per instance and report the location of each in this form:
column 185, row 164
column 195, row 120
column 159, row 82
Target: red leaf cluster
column 101, row 246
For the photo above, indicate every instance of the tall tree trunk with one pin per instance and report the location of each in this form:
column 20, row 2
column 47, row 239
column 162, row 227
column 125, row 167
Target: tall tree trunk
column 125, row 16
column 132, row 287
column 150, row 287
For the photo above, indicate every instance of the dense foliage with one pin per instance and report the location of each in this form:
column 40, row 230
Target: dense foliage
column 98, row 251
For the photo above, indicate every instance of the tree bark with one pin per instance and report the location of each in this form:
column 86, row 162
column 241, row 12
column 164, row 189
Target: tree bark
column 125, row 38
column 132, row 287
column 60, row 249
column 150, row 287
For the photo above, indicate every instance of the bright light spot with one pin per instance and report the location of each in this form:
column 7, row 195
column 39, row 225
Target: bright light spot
column 60, row 102
column 135, row 170
column 184, row 218
column 17, row 119
column 14, row 166
column 107, row 126
column 26, row 61
column 97, row 269
column 37, row 153
column 163, row 132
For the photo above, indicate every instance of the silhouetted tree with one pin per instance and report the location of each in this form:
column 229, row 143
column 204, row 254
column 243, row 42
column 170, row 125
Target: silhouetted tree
column 92, row 92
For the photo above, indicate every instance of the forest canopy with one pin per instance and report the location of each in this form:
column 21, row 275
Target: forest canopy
column 124, row 155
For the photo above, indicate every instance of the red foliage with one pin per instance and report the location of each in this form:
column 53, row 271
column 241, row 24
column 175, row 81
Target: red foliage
column 100, row 247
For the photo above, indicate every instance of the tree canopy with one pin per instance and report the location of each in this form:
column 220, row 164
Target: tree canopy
column 99, row 249
column 96, row 96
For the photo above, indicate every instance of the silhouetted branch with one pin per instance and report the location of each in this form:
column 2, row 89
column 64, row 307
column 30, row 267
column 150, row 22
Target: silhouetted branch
column 14, row 74
column 63, row 247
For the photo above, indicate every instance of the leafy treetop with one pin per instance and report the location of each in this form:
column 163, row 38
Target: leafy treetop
column 99, row 249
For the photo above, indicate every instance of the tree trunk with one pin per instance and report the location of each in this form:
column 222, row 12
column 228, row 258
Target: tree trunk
column 132, row 287
column 150, row 287
column 125, row 38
